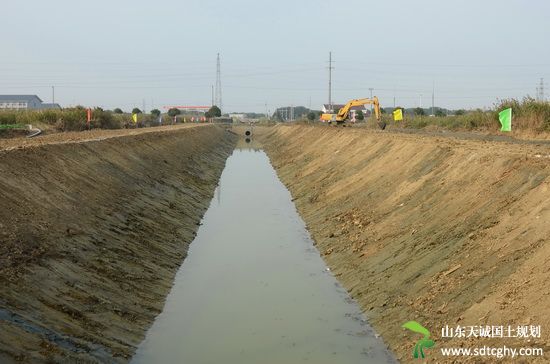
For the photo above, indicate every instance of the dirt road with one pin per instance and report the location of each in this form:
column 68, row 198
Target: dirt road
column 441, row 230
column 93, row 227
column 86, row 136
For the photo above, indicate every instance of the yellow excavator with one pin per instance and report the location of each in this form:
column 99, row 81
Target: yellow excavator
column 343, row 113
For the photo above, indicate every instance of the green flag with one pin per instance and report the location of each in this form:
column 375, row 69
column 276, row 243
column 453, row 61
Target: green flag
column 505, row 118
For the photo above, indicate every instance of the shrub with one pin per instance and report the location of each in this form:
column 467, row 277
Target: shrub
column 104, row 120
column 72, row 120
column 48, row 116
column 7, row 118
column 529, row 114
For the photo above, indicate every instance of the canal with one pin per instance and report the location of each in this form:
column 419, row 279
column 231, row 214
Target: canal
column 254, row 289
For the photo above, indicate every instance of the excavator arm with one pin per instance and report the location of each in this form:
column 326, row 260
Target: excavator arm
column 344, row 112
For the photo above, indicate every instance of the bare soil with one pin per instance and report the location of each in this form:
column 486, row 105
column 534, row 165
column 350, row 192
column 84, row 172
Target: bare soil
column 439, row 227
column 442, row 229
column 93, row 227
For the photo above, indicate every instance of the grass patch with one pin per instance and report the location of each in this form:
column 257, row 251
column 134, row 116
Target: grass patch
column 71, row 119
column 75, row 119
column 11, row 126
column 528, row 115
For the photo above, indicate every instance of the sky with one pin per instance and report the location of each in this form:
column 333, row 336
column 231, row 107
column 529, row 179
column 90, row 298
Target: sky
column 159, row 53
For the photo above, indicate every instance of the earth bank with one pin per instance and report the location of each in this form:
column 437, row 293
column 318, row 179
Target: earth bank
column 441, row 230
column 92, row 232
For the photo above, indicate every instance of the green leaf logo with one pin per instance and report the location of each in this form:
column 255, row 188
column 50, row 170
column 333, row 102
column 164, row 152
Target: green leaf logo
column 425, row 342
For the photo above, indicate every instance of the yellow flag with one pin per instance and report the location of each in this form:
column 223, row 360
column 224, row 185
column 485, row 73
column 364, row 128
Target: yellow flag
column 134, row 117
column 398, row 115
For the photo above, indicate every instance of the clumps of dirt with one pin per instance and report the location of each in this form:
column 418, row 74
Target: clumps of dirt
column 22, row 248
column 12, row 133
column 92, row 232
column 443, row 230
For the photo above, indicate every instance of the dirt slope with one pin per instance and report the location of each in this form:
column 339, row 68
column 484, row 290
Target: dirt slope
column 92, row 233
column 439, row 230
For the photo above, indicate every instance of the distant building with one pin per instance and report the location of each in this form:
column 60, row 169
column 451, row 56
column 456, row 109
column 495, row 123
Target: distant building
column 237, row 117
column 222, row 119
column 20, row 102
column 24, row 102
column 50, row 107
column 352, row 111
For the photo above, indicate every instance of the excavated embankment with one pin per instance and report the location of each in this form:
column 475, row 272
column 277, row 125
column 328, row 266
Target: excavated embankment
column 91, row 236
column 443, row 231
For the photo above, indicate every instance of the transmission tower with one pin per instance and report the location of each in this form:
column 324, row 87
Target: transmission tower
column 218, row 98
column 330, row 68
column 540, row 90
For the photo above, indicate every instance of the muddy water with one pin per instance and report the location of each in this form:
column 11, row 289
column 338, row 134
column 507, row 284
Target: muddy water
column 254, row 289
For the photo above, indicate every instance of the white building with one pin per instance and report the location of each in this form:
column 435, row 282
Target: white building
column 24, row 102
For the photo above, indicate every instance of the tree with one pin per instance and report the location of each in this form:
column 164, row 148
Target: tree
column 311, row 116
column 118, row 111
column 173, row 112
column 360, row 116
column 440, row 113
column 418, row 111
column 460, row 112
column 213, row 112
column 155, row 112
column 135, row 110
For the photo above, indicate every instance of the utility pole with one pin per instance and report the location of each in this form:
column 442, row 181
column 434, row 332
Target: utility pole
column 371, row 89
column 143, row 110
column 218, row 100
column 330, row 68
column 53, row 94
column 433, row 98
column 212, row 104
